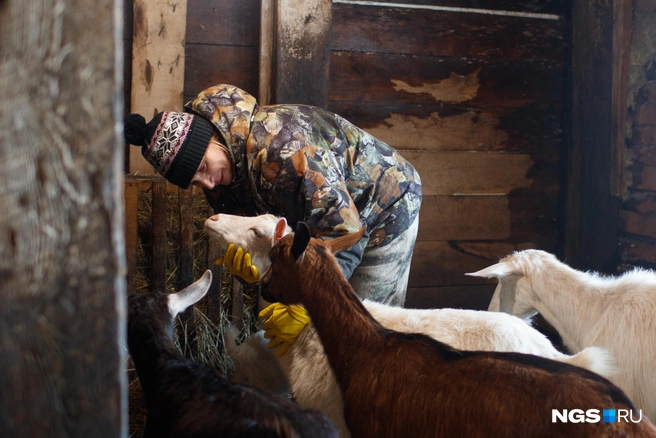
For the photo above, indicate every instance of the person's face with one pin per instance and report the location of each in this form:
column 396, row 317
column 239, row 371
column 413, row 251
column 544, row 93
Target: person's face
column 215, row 168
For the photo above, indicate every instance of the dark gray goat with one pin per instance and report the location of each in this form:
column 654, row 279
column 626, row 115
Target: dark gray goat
column 189, row 399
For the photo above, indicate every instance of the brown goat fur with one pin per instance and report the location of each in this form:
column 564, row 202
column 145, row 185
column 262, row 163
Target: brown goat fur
column 396, row 384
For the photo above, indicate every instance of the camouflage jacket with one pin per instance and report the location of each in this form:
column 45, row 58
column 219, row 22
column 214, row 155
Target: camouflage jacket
column 308, row 164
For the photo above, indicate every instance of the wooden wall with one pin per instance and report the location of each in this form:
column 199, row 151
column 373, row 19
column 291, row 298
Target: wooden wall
column 222, row 47
column 475, row 101
column 637, row 238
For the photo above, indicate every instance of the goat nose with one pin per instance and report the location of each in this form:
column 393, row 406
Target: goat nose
column 215, row 217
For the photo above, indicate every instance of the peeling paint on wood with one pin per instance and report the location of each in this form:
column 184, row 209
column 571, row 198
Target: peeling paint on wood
column 157, row 64
column 466, row 131
column 455, row 89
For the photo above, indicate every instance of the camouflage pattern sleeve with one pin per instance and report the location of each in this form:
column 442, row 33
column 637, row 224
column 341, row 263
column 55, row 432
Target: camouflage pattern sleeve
column 330, row 211
column 311, row 179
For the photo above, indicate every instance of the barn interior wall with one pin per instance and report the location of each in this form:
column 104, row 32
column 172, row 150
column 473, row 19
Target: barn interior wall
column 637, row 238
column 475, row 101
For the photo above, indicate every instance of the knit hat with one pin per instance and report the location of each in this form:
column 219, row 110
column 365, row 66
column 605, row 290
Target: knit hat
column 174, row 143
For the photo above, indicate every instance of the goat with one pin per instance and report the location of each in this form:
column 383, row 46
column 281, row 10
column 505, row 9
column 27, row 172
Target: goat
column 400, row 384
column 304, row 369
column 190, row 399
column 615, row 313
column 256, row 234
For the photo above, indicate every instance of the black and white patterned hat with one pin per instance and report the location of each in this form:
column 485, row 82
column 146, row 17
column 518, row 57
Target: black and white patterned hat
column 174, row 143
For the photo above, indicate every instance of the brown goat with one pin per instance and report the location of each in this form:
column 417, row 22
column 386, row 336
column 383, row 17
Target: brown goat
column 397, row 384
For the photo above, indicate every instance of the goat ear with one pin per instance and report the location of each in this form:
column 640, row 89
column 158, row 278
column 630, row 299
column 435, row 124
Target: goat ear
column 281, row 230
column 178, row 302
column 497, row 270
column 301, row 240
column 344, row 242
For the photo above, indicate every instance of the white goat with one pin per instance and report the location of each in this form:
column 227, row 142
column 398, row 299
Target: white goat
column 306, row 367
column 615, row 313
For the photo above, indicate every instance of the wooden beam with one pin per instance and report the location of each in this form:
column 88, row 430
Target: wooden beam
column 299, row 72
column 267, row 44
column 592, row 211
column 158, row 60
column 62, row 237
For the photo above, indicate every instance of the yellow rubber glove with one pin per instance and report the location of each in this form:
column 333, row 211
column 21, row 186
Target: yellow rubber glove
column 283, row 325
column 239, row 264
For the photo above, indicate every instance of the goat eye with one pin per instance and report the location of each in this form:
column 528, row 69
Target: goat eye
column 257, row 232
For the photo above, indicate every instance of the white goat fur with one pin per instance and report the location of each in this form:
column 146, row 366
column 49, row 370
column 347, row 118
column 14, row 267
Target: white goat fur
column 305, row 367
column 615, row 313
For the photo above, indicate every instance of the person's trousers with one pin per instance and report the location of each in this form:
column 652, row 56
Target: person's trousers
column 382, row 276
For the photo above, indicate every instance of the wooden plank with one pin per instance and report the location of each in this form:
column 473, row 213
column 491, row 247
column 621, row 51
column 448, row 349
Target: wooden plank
column 448, row 173
column 635, row 223
column 445, row 34
column 302, row 52
column 224, row 22
column 378, row 77
column 131, row 206
column 488, row 217
column 464, row 218
column 621, row 54
column 458, row 127
column 592, row 210
column 444, row 263
column 645, row 178
column 237, row 305
column 186, row 266
column 186, row 204
column 645, row 105
column 207, row 65
column 644, row 135
column 159, row 221
column 267, row 45
column 157, row 64
column 637, row 251
column 127, row 65
column 213, row 312
column 535, row 6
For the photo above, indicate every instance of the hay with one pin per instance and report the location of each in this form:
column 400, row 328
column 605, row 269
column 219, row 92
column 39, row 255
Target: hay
column 205, row 344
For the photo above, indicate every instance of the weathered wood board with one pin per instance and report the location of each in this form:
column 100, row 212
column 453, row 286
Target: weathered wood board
column 62, row 243
column 222, row 45
column 475, row 101
column 158, row 59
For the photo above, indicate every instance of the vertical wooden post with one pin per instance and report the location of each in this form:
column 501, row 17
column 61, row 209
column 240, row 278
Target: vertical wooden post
column 267, row 46
column 131, row 208
column 622, row 31
column 186, row 204
column 158, row 57
column 298, row 41
column 214, row 295
column 158, row 223
column 598, row 56
column 62, row 238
